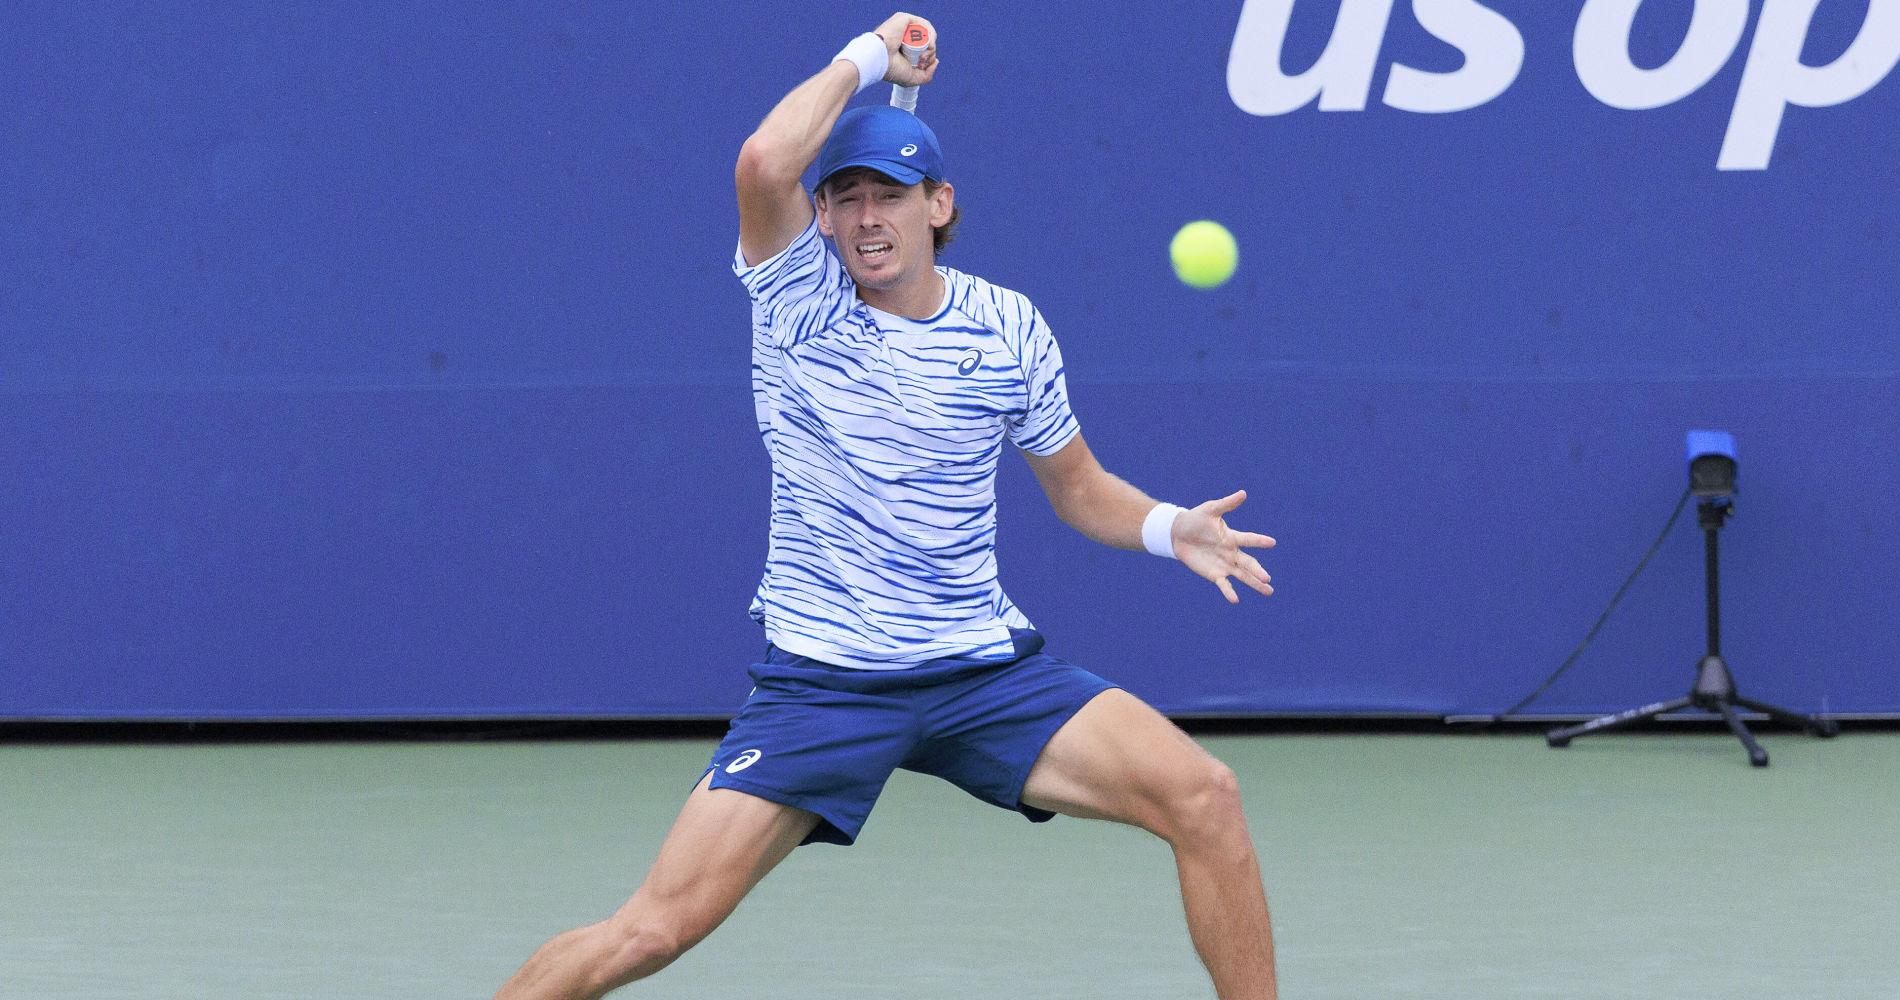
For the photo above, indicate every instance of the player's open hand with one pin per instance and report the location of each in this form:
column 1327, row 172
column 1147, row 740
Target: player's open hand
column 1209, row 547
column 902, row 73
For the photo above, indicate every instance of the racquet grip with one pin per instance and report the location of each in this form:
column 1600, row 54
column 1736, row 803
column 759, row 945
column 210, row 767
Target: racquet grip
column 916, row 40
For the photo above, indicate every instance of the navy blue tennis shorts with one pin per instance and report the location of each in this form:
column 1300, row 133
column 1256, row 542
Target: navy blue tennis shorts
column 825, row 738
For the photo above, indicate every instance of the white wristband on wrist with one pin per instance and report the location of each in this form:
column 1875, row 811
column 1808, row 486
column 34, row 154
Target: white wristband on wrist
column 868, row 53
column 1157, row 530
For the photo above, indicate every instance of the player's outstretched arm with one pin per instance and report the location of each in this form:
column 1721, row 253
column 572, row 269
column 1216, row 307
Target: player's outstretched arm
column 1109, row 510
column 773, row 205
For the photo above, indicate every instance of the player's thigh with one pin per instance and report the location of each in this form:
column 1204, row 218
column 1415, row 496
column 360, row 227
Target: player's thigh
column 1121, row 760
column 722, row 844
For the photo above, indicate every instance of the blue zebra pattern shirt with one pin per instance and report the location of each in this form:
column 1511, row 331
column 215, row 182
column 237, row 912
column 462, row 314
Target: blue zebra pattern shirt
column 884, row 435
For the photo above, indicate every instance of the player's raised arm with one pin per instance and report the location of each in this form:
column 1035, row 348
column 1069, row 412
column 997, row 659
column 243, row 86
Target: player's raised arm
column 773, row 206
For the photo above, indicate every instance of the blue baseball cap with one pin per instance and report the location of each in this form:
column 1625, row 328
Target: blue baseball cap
column 890, row 141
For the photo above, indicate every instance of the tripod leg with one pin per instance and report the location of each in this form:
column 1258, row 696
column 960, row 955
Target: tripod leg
column 1562, row 737
column 1812, row 723
column 1756, row 755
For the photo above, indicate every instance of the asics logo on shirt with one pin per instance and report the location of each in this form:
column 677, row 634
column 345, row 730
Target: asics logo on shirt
column 969, row 362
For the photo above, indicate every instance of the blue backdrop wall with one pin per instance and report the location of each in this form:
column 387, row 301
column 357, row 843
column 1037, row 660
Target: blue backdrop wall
column 372, row 361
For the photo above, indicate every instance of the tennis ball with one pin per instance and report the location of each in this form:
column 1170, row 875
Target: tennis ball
column 1204, row 253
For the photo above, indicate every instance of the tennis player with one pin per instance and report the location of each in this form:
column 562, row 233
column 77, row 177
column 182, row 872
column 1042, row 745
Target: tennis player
column 885, row 387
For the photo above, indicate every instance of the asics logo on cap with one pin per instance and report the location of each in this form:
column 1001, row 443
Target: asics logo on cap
column 743, row 761
column 908, row 150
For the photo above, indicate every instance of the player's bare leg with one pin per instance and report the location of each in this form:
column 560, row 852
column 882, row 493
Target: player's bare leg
column 1119, row 759
column 721, row 845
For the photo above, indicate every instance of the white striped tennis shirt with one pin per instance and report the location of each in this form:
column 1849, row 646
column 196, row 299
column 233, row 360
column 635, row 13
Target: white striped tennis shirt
column 884, row 434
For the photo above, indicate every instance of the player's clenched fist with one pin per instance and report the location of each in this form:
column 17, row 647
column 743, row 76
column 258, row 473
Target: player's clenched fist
column 895, row 31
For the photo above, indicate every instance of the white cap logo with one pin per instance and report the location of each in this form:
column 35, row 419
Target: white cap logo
column 908, row 150
column 744, row 760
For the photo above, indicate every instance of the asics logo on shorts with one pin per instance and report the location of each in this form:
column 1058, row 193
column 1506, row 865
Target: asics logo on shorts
column 743, row 761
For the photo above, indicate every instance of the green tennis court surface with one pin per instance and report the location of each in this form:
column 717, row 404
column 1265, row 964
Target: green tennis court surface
column 1397, row 866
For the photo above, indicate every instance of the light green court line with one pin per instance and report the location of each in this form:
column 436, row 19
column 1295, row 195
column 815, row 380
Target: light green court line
column 1397, row 866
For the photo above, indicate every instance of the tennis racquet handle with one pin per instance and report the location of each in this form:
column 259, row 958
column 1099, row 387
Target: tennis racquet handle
column 916, row 40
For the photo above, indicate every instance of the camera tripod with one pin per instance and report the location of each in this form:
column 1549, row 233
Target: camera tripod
column 1714, row 689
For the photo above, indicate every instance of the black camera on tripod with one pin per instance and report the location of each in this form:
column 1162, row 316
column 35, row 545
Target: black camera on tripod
column 1711, row 464
column 1712, row 482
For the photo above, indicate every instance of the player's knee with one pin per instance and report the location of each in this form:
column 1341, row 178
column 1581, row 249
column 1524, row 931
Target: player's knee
column 1207, row 809
column 638, row 948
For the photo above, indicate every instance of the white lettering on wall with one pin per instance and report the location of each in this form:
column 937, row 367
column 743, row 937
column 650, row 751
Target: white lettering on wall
column 1772, row 78
column 1600, row 48
column 1493, row 49
column 1339, row 79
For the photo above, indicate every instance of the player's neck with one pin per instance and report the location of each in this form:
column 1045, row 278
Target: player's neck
column 917, row 297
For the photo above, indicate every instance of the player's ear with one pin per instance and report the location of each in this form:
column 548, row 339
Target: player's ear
column 942, row 202
column 824, row 219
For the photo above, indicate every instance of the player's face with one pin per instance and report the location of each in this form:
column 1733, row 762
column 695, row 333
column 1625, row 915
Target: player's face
column 882, row 228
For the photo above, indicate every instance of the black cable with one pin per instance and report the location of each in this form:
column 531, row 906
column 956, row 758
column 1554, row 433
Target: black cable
column 1572, row 658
